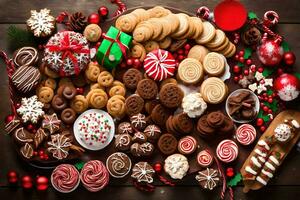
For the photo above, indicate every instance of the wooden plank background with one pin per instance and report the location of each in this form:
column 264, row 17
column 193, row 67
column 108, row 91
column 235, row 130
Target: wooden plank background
column 286, row 184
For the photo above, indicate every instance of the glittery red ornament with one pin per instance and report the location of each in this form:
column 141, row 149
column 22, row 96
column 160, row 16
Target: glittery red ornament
column 103, row 12
column 289, row 58
column 12, row 177
column 42, row 183
column 9, row 118
column 270, row 52
column 287, row 87
column 94, row 18
column 225, row 11
column 27, row 182
column 157, row 167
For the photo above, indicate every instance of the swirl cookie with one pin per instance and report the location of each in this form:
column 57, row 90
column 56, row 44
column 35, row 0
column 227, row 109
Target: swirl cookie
column 190, row 71
column 183, row 25
column 171, row 95
column 218, row 40
column 116, row 106
column 213, row 90
column 143, row 31
column 151, row 45
column 208, row 33
column 45, row 94
column 117, row 90
column 165, row 43
column 97, row 98
column 26, row 78
column 79, row 104
column 92, row 72
column 105, row 79
column 138, row 51
column 214, row 64
column 118, row 165
column 25, row 56
column 126, row 23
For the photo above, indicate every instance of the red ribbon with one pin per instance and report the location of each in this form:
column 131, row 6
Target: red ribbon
column 122, row 46
column 68, row 49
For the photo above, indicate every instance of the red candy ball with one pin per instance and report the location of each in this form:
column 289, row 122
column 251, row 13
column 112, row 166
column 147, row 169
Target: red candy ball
column 236, row 57
column 236, row 69
column 262, row 128
column 42, row 183
column 187, row 47
column 94, row 18
column 30, row 127
column 9, row 118
column 241, row 53
column 289, row 58
column 259, row 121
column 12, row 177
column 242, row 59
column 246, row 72
column 103, row 12
column 27, row 182
column 236, row 78
column 157, row 167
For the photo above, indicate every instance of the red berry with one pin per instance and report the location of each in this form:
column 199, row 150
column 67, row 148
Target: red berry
column 103, row 12
column 236, row 57
column 180, row 57
column 18, row 105
column 236, row 79
column 265, row 108
column 12, row 177
column 94, row 18
column 42, row 157
column 246, row 72
column 136, row 62
column 241, row 53
column 260, row 69
column 229, row 172
column 186, row 52
column 266, row 98
column 242, row 59
column 270, row 100
column 180, row 51
column 27, row 182
column 30, row 127
column 157, row 167
column 253, row 68
column 259, row 121
column 42, row 183
column 187, row 47
column 79, row 90
column 248, row 61
column 35, row 153
column 129, row 61
column 241, row 76
column 175, row 55
column 279, row 71
column 41, row 152
column 262, row 128
column 270, row 111
column 9, row 118
column 262, row 104
column 236, row 69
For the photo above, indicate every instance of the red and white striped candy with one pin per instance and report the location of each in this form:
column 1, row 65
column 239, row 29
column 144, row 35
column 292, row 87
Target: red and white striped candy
column 204, row 158
column 227, row 151
column 187, row 145
column 245, row 134
column 159, row 64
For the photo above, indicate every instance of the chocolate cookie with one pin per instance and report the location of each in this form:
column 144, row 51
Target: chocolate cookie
column 68, row 115
column 183, row 123
column 134, row 104
column 22, row 136
column 152, row 132
column 215, row 119
column 123, row 142
column 26, row 78
column 171, row 95
column 125, row 127
column 69, row 92
column 227, row 126
column 167, row 144
column 139, row 137
column 170, row 127
column 149, row 105
column 160, row 114
column 146, row 149
column 135, row 149
column 25, row 56
column 203, row 128
column 147, row 89
column 131, row 78
column 58, row 103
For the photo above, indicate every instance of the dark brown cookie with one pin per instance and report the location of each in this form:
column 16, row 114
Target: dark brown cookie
column 139, row 137
column 147, row 89
column 227, row 126
column 27, row 151
column 152, row 132
column 215, row 119
column 68, row 115
column 146, row 149
column 149, row 105
column 160, row 114
column 248, row 113
column 135, row 149
column 58, row 103
column 123, row 142
column 183, row 123
column 171, row 95
column 134, row 104
column 131, row 78
column 170, row 126
column 23, row 136
column 203, row 128
column 138, row 121
column 69, row 92
column 167, row 144
column 125, row 127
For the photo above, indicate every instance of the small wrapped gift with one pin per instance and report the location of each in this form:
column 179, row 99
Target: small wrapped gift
column 113, row 47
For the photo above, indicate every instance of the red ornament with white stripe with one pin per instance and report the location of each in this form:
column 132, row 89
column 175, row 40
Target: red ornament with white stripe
column 159, row 64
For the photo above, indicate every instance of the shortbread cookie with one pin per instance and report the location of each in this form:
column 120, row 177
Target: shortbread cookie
column 165, row 43
column 198, row 52
column 138, row 51
column 218, row 40
column 214, row 64
column 208, row 33
column 183, row 25
column 151, row 45
column 190, row 71
column 126, row 23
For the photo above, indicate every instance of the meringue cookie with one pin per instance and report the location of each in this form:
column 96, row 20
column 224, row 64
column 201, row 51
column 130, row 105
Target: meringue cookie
column 194, row 105
column 176, row 166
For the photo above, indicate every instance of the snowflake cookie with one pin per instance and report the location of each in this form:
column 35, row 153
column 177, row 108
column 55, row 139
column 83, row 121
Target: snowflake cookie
column 31, row 109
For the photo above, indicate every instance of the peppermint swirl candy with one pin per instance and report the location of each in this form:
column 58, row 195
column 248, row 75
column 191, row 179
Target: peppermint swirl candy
column 94, row 176
column 118, row 164
column 187, row 145
column 204, row 158
column 227, row 151
column 190, row 71
column 213, row 90
column 65, row 178
column 245, row 134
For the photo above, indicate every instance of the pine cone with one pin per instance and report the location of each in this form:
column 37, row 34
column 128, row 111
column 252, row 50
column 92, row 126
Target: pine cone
column 251, row 36
column 77, row 22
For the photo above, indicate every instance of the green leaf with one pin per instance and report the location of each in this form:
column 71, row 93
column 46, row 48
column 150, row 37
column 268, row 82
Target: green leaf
column 248, row 52
column 269, row 92
column 285, row 46
column 268, row 71
column 79, row 165
column 261, row 115
column 240, row 64
column 18, row 37
column 297, row 74
column 235, row 180
column 252, row 15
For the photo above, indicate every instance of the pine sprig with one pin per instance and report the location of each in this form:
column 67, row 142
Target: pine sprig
column 18, row 37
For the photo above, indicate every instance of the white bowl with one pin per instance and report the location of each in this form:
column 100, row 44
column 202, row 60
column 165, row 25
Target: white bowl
column 256, row 107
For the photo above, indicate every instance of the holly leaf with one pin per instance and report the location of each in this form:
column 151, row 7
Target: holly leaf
column 240, row 64
column 269, row 92
column 247, row 52
column 273, row 106
column 268, row 71
column 79, row 165
column 264, row 117
column 285, row 46
column 297, row 74
column 252, row 15
column 235, row 180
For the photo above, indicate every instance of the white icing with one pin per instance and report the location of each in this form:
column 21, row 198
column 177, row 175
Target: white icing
column 269, row 174
column 255, row 161
column 176, row 166
column 295, row 123
column 261, row 159
column 274, row 160
column 260, row 153
column 264, row 144
column 262, row 181
column 270, row 166
column 250, row 170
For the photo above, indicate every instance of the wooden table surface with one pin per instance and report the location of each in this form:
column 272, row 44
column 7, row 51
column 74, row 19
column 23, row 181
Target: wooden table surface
column 286, row 184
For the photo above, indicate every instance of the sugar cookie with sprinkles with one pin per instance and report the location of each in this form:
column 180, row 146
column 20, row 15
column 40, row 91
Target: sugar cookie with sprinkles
column 94, row 129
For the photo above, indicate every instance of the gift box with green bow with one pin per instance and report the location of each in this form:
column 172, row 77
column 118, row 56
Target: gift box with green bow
column 113, row 47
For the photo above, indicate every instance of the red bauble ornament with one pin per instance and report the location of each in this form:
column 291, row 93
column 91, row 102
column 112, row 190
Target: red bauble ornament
column 42, row 183
column 225, row 11
column 287, row 87
column 289, row 58
column 270, row 52
column 157, row 167
column 129, row 61
column 103, row 12
column 9, row 118
column 137, row 63
column 94, row 18
column 12, row 177
column 27, row 182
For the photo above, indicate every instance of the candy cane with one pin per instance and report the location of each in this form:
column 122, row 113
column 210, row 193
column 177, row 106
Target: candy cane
column 271, row 18
column 121, row 7
column 203, row 12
